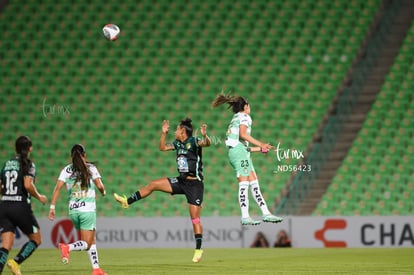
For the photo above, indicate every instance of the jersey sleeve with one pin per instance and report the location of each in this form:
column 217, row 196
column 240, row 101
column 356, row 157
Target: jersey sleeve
column 32, row 170
column 246, row 120
column 197, row 140
column 64, row 174
column 175, row 144
column 94, row 172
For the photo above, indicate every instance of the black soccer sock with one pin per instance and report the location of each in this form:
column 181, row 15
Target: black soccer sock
column 4, row 253
column 134, row 197
column 27, row 250
column 199, row 240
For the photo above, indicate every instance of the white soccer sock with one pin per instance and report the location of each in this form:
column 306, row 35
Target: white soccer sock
column 244, row 198
column 93, row 256
column 258, row 197
column 78, row 246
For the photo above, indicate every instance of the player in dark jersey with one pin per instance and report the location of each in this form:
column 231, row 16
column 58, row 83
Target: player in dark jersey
column 190, row 179
column 17, row 188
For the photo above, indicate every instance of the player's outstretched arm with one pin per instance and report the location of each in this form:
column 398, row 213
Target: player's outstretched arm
column 258, row 149
column 244, row 135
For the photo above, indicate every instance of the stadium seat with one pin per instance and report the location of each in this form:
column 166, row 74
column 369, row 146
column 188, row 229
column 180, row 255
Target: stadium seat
column 285, row 56
column 379, row 159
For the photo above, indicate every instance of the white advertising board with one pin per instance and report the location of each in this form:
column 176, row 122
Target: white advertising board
column 377, row 231
column 220, row 232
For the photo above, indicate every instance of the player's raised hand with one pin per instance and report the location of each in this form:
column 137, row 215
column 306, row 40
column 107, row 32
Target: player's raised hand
column 165, row 126
column 203, row 129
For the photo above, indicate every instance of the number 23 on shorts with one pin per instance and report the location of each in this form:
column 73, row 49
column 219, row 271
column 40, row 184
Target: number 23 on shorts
column 244, row 163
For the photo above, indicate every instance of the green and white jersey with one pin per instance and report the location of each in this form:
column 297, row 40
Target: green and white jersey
column 80, row 200
column 232, row 135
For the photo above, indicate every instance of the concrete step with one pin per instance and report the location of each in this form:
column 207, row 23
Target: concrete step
column 346, row 136
column 335, row 158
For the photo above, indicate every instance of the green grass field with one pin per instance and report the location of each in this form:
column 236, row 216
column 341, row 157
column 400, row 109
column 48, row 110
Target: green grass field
column 228, row 261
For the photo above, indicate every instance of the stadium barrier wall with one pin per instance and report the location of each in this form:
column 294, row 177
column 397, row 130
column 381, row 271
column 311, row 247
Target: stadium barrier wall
column 226, row 232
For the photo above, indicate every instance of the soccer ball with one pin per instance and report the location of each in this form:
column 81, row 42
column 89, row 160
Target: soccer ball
column 111, row 31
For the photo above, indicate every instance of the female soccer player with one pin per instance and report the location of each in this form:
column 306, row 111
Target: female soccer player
column 17, row 187
column 81, row 178
column 237, row 141
column 190, row 179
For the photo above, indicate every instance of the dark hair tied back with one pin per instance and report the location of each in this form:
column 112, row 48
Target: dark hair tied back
column 78, row 148
column 80, row 168
column 236, row 103
column 186, row 123
column 22, row 147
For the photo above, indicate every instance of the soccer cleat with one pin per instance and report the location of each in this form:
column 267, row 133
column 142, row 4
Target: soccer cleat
column 98, row 271
column 64, row 250
column 122, row 200
column 272, row 218
column 198, row 253
column 14, row 267
column 249, row 221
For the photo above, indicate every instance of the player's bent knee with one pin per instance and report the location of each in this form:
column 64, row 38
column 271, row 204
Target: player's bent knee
column 36, row 238
column 195, row 221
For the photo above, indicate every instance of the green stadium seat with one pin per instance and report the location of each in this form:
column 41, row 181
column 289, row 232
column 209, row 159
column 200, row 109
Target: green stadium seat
column 167, row 65
column 378, row 160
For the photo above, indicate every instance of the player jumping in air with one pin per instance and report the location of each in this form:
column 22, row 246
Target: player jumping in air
column 237, row 141
column 190, row 179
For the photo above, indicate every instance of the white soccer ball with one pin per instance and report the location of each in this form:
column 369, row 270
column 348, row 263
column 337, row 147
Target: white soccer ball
column 111, row 31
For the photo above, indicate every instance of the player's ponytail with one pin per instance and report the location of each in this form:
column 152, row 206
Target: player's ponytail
column 80, row 168
column 22, row 146
column 236, row 103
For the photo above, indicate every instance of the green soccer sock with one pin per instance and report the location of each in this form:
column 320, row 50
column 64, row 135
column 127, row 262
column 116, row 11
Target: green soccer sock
column 27, row 250
column 4, row 253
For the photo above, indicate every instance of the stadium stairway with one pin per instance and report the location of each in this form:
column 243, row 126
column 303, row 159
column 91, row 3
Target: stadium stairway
column 366, row 97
